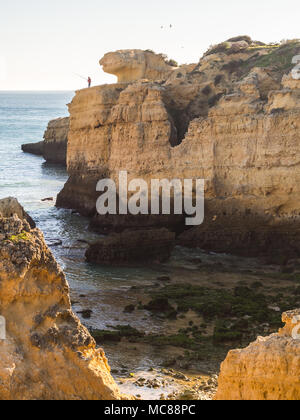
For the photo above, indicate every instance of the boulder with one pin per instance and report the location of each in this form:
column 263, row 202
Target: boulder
column 132, row 247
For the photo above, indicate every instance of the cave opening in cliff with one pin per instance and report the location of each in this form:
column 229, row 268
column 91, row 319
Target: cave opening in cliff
column 179, row 121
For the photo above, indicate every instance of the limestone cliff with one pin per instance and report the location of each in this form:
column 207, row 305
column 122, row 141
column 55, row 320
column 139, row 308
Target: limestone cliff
column 268, row 369
column 54, row 146
column 233, row 119
column 47, row 353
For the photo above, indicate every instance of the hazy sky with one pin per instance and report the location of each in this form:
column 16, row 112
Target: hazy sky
column 44, row 42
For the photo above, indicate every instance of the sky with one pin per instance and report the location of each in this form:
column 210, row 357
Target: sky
column 44, row 44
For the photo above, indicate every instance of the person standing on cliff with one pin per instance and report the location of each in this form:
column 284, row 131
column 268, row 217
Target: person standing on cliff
column 89, row 81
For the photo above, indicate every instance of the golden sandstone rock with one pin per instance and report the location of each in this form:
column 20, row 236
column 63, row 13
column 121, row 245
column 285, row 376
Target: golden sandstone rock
column 268, row 369
column 132, row 65
column 47, row 353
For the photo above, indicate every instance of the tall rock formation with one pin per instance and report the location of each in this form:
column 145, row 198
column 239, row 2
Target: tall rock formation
column 55, row 141
column 47, row 353
column 268, row 369
column 232, row 119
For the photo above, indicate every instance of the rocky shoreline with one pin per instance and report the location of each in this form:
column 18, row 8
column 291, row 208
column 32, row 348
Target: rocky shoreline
column 231, row 119
column 224, row 302
column 200, row 307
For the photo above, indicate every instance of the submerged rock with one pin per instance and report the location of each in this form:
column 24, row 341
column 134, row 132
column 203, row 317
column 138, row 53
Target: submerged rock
column 47, row 353
column 269, row 369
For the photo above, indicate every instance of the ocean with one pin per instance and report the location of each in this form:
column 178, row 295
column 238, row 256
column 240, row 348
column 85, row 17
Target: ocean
column 23, row 119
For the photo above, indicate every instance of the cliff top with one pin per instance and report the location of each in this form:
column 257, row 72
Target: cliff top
column 242, row 51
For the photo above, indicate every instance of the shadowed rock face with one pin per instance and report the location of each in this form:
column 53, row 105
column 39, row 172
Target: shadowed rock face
column 34, row 148
column 132, row 65
column 268, row 369
column 54, row 146
column 47, row 353
column 228, row 120
column 55, row 141
column 133, row 247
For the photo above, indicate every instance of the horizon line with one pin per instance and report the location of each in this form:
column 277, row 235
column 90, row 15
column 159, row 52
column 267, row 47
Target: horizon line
column 38, row 90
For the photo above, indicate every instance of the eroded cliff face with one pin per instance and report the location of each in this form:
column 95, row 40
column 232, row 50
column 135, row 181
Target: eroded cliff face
column 268, row 369
column 230, row 120
column 47, row 353
column 251, row 152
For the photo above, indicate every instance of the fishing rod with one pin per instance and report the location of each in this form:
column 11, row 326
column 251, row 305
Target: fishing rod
column 82, row 77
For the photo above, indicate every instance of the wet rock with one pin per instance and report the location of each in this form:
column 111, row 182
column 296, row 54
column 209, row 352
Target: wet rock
column 34, row 148
column 86, row 313
column 181, row 377
column 164, row 278
column 132, row 247
column 129, row 309
column 158, row 305
column 55, row 243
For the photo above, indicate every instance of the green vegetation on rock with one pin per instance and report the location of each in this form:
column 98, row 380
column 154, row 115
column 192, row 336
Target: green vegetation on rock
column 23, row 236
